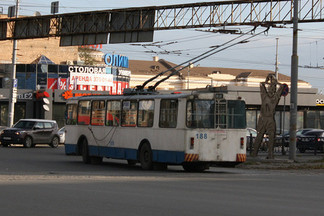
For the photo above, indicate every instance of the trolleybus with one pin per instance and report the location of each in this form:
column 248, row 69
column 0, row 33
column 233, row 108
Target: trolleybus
column 194, row 129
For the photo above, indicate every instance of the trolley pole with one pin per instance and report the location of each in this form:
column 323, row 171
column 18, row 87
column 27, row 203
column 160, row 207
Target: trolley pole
column 294, row 80
column 13, row 92
column 277, row 63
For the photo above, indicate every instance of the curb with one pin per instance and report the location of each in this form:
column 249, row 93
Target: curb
column 283, row 162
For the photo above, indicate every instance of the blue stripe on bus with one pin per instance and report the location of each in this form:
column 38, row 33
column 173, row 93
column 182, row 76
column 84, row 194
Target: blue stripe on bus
column 70, row 149
column 162, row 156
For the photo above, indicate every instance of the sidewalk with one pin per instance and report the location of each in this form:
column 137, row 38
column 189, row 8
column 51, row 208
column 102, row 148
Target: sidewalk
column 303, row 161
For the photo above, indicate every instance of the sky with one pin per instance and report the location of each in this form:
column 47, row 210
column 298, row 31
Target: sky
column 182, row 45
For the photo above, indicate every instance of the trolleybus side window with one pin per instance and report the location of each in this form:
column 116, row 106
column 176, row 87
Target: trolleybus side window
column 168, row 113
column 71, row 114
column 113, row 113
column 98, row 112
column 236, row 114
column 84, row 112
column 200, row 113
column 145, row 113
column 129, row 113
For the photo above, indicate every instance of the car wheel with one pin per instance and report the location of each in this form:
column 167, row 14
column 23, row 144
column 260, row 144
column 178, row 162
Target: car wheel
column 28, row 143
column 55, row 142
column 145, row 157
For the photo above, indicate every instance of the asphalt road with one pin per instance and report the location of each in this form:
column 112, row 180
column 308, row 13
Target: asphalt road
column 44, row 181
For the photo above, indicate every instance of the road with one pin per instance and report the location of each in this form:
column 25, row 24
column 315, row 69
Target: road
column 44, row 181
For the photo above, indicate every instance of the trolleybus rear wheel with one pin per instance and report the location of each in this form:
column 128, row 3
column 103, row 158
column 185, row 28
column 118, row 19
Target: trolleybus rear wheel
column 145, row 157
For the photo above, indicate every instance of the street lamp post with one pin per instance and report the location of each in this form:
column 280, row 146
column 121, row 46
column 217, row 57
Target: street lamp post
column 13, row 92
column 294, row 81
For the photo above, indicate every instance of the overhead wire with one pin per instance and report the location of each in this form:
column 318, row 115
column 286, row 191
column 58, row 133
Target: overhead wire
column 203, row 56
column 197, row 57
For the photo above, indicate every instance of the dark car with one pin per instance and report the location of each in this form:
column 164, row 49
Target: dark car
column 30, row 132
column 311, row 140
column 286, row 136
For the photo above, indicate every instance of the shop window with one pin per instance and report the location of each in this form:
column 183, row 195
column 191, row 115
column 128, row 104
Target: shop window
column 129, row 113
column 53, row 68
column 20, row 111
column 30, row 82
column 168, row 113
column 63, row 69
column 251, row 118
column 4, row 114
column 59, row 113
column 84, row 112
column 71, row 114
column 31, row 68
column 98, row 113
column 145, row 113
column 21, row 68
column 113, row 113
column 21, row 80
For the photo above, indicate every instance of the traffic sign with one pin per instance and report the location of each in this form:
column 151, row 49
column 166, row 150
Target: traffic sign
column 285, row 90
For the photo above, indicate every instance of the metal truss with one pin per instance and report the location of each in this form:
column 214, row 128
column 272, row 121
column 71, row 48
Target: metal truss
column 135, row 20
column 257, row 12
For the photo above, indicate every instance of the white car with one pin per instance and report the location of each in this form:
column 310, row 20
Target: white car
column 61, row 133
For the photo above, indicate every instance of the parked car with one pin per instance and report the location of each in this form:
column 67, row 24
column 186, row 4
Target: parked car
column 61, row 133
column 252, row 133
column 311, row 140
column 30, row 132
column 286, row 136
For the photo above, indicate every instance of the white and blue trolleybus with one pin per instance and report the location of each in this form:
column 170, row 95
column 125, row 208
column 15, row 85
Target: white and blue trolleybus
column 195, row 129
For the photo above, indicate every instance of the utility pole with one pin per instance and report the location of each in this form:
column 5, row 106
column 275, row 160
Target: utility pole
column 13, row 92
column 277, row 63
column 294, row 80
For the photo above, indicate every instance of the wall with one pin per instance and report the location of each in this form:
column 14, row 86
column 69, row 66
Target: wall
column 31, row 49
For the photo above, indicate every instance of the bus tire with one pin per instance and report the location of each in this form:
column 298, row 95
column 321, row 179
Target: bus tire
column 146, row 157
column 194, row 167
column 85, row 152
